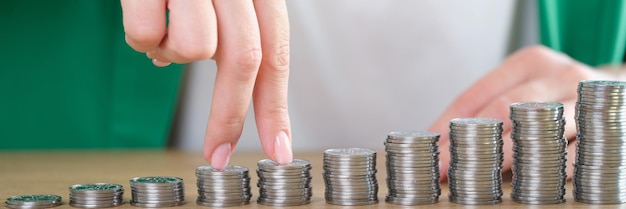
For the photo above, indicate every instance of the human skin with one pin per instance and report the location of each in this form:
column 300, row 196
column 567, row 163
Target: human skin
column 249, row 41
column 532, row 74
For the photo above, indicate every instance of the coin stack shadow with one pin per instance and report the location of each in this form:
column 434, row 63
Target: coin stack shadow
column 412, row 168
column 155, row 192
column 284, row 185
column 476, row 159
column 539, row 152
column 600, row 167
column 98, row 195
column 350, row 176
column 33, row 201
column 223, row 188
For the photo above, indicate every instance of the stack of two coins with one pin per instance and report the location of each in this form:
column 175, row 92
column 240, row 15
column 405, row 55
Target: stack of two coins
column 33, row 201
column 600, row 168
column 284, row 185
column 539, row 153
column 412, row 168
column 154, row 192
column 223, row 188
column 98, row 195
column 475, row 161
column 350, row 176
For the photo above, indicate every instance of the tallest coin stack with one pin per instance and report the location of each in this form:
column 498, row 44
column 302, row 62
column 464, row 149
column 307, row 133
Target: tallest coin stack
column 600, row 173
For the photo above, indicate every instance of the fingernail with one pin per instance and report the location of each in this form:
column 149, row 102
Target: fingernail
column 160, row 63
column 221, row 156
column 282, row 149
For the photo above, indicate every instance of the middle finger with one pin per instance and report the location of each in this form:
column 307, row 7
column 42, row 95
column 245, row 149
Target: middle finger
column 238, row 59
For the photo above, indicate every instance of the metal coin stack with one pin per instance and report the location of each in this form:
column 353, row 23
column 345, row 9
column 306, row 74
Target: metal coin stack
column 33, row 201
column 159, row 191
column 98, row 195
column 412, row 168
column 476, row 159
column 350, row 176
column 223, row 188
column 284, row 185
column 600, row 167
column 539, row 152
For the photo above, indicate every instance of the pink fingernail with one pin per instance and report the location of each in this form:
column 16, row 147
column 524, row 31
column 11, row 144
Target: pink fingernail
column 221, row 156
column 160, row 63
column 282, row 149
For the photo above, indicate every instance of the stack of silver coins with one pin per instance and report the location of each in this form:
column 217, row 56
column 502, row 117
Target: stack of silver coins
column 350, row 176
column 412, row 168
column 539, row 152
column 223, row 188
column 33, row 201
column 155, row 192
column 284, row 185
column 600, row 167
column 476, row 159
column 98, row 195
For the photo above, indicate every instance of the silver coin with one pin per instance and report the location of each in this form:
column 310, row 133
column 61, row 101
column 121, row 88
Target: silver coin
column 33, row 200
column 349, row 152
column 156, row 180
column 96, row 188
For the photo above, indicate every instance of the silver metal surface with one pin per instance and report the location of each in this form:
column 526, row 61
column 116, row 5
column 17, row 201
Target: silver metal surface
column 284, row 184
column 599, row 175
column 412, row 163
column 539, row 152
column 350, row 176
column 157, row 191
column 476, row 157
column 223, row 188
column 96, row 195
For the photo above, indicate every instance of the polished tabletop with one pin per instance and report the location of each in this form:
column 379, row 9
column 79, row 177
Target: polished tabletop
column 52, row 172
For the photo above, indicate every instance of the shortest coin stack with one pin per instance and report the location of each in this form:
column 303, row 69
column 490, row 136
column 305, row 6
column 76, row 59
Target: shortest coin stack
column 284, row 185
column 223, row 188
column 33, row 201
column 98, row 195
column 159, row 191
column 350, row 176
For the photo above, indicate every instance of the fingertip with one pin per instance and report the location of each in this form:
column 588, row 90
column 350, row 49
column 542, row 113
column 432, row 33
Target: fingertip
column 283, row 153
column 220, row 156
column 159, row 63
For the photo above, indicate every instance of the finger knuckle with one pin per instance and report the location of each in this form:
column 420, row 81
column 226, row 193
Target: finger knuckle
column 247, row 60
column 143, row 39
column 532, row 54
column 192, row 52
column 230, row 125
column 278, row 57
column 278, row 111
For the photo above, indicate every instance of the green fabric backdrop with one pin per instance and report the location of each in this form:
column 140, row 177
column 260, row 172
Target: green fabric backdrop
column 591, row 31
column 68, row 79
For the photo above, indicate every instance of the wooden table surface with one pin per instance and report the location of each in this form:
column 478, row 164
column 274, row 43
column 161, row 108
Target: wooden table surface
column 52, row 172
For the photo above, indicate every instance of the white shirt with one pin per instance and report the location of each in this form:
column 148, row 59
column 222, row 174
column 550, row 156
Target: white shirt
column 363, row 68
